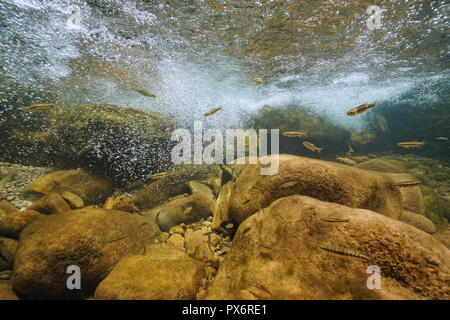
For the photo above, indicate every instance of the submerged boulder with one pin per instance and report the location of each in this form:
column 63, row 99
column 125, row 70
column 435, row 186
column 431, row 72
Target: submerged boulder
column 327, row 181
column 419, row 221
column 293, row 250
column 177, row 183
column 6, row 291
column 182, row 209
column 92, row 239
column 8, row 249
column 13, row 224
column 163, row 273
column 317, row 128
column 222, row 216
column 50, row 204
column 382, row 165
column 91, row 188
column 126, row 144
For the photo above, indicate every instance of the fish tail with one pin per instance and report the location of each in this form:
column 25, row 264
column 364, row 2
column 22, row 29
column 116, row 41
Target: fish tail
column 320, row 150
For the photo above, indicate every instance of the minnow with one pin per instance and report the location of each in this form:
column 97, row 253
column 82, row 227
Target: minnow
column 145, row 93
column 335, row 220
column 158, row 175
column 346, row 160
column 289, row 184
column 212, row 111
column 407, row 184
column 188, row 210
column 441, row 138
column 41, row 107
column 361, row 109
column 411, row 144
column 343, row 251
column 311, row 147
column 294, row 133
column 257, row 81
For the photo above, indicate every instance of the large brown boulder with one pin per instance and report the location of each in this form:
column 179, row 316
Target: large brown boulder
column 323, row 180
column 163, row 273
column 281, row 253
column 92, row 188
column 92, row 239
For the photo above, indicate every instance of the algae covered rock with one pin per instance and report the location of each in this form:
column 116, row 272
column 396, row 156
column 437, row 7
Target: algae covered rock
column 176, row 184
column 182, row 209
column 6, row 208
column 50, row 204
column 437, row 208
column 323, row 180
column 8, row 248
column 163, row 273
column 91, row 188
column 382, row 165
column 222, row 215
column 290, row 251
column 419, row 221
column 126, row 144
column 92, row 239
column 318, row 129
column 6, row 291
column 13, row 224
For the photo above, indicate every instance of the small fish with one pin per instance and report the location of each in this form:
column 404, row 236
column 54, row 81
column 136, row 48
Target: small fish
column 407, row 184
column 441, row 138
column 212, row 111
column 158, row 175
column 346, row 160
column 343, row 251
column 257, row 81
column 288, row 184
column 294, row 134
column 41, row 107
column 411, row 144
column 145, row 93
column 188, row 210
column 311, row 147
column 361, row 109
column 335, row 220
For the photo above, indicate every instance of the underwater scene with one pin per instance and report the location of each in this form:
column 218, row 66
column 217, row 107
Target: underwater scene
column 224, row 150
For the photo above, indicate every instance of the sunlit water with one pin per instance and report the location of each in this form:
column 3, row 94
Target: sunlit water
column 204, row 54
